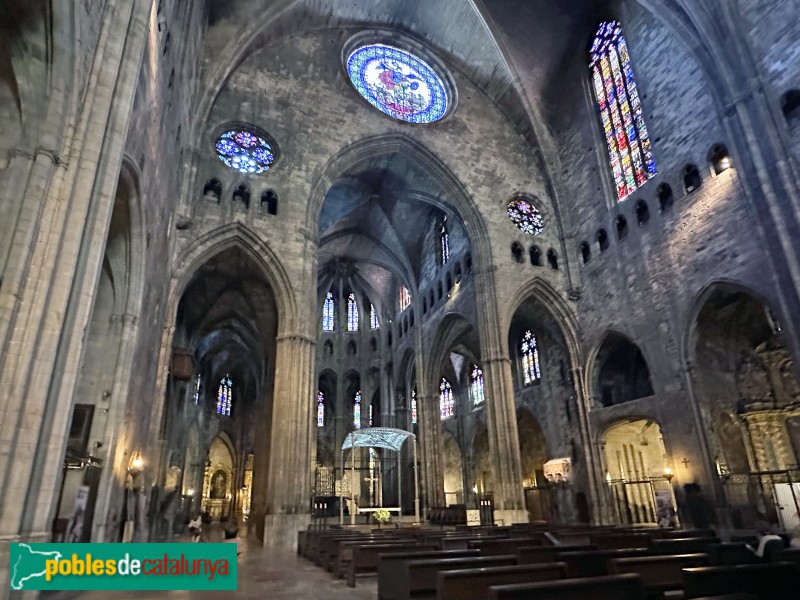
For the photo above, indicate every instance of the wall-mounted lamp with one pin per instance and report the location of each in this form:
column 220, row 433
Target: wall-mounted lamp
column 136, row 464
column 190, row 492
column 668, row 474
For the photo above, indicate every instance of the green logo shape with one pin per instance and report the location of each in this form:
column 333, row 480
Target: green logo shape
column 123, row 566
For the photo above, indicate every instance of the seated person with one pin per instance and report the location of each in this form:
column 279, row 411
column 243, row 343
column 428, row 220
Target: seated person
column 768, row 540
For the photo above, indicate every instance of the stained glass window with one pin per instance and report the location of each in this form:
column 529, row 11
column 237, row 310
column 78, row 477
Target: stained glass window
column 352, row 313
column 328, row 311
column 197, row 381
column 357, row 410
column 444, row 242
column 476, row 386
column 225, row 396
column 446, row 401
column 320, row 409
column 525, row 215
column 621, row 116
column 373, row 318
column 414, row 406
column 530, row 358
column 405, row 298
column 370, row 415
column 397, row 83
column 244, row 151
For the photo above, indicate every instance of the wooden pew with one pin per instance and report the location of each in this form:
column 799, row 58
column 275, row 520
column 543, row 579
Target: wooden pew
column 364, row 558
column 772, row 581
column 473, row 584
column 573, row 538
column 419, row 576
column 390, row 568
column 594, row 563
column 731, row 553
column 462, row 542
column 613, row 587
column 501, row 547
column 790, row 555
column 659, row 574
column 329, row 556
column 682, row 545
column 615, row 541
column 347, row 552
column 529, row 555
column 730, row 597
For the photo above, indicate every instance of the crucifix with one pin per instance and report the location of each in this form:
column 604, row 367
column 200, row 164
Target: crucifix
column 686, row 462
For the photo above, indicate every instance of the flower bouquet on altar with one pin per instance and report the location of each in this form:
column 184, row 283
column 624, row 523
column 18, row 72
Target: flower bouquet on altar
column 381, row 516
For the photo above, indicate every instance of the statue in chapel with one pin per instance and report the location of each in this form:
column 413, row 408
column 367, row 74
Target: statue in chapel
column 219, row 485
column 752, row 379
column 780, row 369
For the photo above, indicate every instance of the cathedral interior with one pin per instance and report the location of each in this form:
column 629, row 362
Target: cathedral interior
column 554, row 242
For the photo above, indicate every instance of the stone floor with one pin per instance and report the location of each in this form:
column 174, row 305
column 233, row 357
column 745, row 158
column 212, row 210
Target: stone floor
column 263, row 574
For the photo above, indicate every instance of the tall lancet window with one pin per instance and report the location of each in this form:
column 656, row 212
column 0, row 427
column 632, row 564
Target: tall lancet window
column 444, row 242
column 370, row 415
column 357, row 410
column 352, row 313
column 225, row 396
column 328, row 311
column 414, row 406
column 405, row 298
column 530, row 358
column 446, row 401
column 373, row 318
column 621, row 115
column 320, row 409
column 476, row 386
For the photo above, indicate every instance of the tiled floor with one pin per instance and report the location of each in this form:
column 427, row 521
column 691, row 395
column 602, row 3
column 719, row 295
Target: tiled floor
column 266, row 575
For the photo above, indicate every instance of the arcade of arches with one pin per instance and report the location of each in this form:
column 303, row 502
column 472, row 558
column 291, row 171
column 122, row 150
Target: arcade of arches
column 223, row 248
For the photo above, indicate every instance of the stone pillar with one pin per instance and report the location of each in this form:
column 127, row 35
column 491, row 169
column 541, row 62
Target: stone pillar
column 501, row 416
column 52, row 280
column 431, row 473
column 291, row 443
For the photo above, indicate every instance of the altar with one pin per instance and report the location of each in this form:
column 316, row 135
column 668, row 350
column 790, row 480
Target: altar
column 379, row 437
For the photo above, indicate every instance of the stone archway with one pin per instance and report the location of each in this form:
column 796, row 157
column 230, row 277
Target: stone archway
column 743, row 377
column 638, row 473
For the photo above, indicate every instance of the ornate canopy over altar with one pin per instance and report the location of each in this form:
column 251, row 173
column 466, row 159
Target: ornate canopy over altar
column 377, row 437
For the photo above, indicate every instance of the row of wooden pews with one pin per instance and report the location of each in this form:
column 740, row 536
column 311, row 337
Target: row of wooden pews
column 552, row 563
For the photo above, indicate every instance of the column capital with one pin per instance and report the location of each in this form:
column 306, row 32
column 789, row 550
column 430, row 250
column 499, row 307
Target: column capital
column 301, row 337
column 33, row 154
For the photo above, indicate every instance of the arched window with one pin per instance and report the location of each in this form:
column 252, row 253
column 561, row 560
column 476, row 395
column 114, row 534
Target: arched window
column 373, row 318
column 444, row 242
column 629, row 153
column 476, row 386
column 414, row 406
column 405, row 298
column 446, row 401
column 328, row 311
column 225, row 396
column 320, row 409
column 357, row 410
column 530, row 358
column 352, row 313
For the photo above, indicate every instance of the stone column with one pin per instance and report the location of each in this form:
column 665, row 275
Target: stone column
column 501, row 416
column 431, row 473
column 291, row 445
